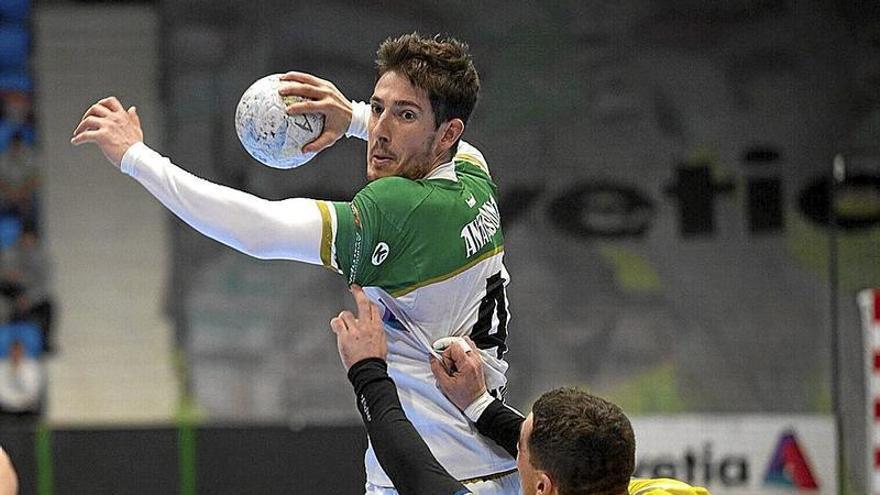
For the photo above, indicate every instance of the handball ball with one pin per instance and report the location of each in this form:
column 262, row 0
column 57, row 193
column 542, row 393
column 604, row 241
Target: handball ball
column 267, row 132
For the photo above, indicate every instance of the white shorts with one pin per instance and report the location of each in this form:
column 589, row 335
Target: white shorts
column 505, row 485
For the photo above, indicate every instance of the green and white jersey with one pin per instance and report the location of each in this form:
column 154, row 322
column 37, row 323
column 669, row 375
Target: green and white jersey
column 429, row 253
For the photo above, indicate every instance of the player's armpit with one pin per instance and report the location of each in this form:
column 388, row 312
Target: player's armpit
column 291, row 229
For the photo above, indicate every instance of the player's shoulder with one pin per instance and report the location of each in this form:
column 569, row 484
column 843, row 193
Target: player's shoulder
column 663, row 486
column 469, row 154
column 395, row 189
column 394, row 196
column 469, row 160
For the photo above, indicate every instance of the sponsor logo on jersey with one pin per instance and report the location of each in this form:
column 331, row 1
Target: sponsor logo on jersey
column 380, row 253
column 479, row 232
column 471, row 201
column 788, row 466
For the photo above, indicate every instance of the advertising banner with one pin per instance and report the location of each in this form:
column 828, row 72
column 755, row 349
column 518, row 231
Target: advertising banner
column 740, row 455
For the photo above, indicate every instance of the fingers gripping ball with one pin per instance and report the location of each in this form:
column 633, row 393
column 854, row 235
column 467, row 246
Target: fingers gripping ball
column 267, row 132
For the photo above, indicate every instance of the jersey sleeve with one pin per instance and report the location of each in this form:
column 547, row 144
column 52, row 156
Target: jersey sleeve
column 371, row 233
column 403, row 454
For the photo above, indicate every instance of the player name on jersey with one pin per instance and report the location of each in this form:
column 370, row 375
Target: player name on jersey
column 479, row 232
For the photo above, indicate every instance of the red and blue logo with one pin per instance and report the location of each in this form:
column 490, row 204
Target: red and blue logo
column 789, row 466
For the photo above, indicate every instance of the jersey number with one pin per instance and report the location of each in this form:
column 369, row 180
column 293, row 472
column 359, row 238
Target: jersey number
column 493, row 303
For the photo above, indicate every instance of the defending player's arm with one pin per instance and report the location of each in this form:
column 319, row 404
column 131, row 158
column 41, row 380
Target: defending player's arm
column 465, row 386
column 403, row 454
column 501, row 423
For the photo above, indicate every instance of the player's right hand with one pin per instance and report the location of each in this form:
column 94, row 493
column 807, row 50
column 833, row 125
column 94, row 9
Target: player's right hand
column 109, row 125
column 466, row 382
column 323, row 97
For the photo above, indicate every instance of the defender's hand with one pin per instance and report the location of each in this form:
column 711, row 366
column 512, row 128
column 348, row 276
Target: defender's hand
column 466, row 383
column 111, row 127
column 320, row 97
column 362, row 337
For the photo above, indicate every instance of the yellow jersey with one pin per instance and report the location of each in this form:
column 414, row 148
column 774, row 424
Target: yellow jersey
column 663, row 486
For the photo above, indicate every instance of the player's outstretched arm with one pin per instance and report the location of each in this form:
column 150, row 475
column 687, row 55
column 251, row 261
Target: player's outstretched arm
column 288, row 229
column 403, row 454
column 341, row 116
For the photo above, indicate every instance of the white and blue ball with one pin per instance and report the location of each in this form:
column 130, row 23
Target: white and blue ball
column 267, row 132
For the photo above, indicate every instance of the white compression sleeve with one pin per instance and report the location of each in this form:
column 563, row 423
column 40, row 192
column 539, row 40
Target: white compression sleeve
column 287, row 229
column 360, row 119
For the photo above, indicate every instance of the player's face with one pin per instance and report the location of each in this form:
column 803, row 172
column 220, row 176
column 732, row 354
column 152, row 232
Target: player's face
column 528, row 474
column 403, row 140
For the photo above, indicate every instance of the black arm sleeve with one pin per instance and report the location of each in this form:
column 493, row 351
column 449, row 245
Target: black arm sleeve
column 403, row 454
column 502, row 425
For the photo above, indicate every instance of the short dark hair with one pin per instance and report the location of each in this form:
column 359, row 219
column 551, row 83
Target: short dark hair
column 584, row 443
column 442, row 66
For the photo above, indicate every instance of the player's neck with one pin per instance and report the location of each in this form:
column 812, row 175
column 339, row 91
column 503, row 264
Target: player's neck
column 440, row 160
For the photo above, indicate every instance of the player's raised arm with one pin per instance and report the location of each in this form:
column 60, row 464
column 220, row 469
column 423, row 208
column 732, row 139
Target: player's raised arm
column 288, row 229
column 341, row 116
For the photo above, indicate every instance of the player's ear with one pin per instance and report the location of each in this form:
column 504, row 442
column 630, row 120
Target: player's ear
column 451, row 131
column 544, row 484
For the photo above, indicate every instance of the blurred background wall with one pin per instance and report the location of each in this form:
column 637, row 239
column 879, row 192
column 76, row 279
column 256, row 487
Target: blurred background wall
column 663, row 168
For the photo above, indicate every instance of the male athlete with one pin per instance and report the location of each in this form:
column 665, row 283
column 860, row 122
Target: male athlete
column 572, row 443
column 423, row 237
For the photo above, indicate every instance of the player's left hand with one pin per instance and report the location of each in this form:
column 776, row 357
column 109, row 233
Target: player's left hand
column 323, row 97
column 362, row 337
column 109, row 125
